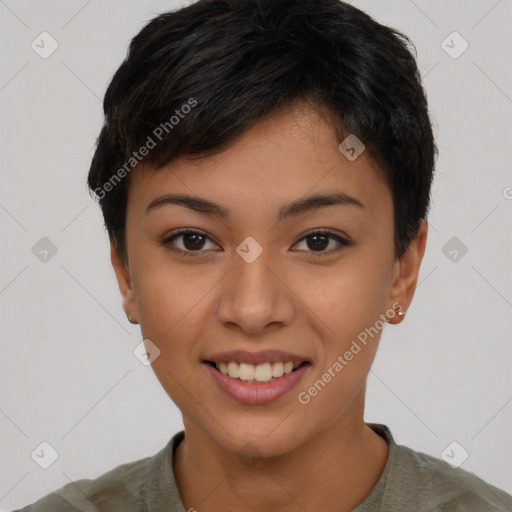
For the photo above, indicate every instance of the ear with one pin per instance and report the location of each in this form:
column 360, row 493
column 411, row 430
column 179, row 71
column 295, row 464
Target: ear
column 125, row 285
column 405, row 274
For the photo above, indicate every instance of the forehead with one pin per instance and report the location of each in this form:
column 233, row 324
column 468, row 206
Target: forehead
column 291, row 154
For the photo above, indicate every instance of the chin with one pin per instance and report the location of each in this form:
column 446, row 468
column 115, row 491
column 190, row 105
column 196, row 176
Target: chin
column 258, row 438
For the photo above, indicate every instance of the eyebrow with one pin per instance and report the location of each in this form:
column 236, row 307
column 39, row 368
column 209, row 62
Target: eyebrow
column 293, row 209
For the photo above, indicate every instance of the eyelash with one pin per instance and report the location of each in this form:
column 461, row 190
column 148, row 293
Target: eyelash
column 167, row 242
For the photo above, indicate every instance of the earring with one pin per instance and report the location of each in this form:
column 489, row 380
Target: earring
column 130, row 319
column 396, row 310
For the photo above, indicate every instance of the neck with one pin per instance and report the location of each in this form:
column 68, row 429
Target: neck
column 335, row 470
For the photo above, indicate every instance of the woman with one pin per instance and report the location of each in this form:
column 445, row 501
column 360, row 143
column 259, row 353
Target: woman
column 264, row 173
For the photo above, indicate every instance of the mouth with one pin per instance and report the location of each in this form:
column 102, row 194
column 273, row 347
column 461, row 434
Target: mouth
column 255, row 374
column 256, row 378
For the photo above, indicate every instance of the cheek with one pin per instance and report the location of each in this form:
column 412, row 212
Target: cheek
column 171, row 302
column 347, row 306
column 172, row 307
column 348, row 298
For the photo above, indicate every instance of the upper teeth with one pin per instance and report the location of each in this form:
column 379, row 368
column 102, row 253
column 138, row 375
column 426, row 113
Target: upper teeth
column 249, row 372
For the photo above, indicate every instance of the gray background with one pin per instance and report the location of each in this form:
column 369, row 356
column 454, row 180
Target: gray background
column 68, row 374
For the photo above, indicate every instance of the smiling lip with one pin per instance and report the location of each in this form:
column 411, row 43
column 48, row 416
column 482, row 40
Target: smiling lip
column 255, row 358
column 257, row 393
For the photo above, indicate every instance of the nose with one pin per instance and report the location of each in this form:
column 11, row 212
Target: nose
column 254, row 296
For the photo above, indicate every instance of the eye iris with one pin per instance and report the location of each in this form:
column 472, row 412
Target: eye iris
column 197, row 241
column 321, row 241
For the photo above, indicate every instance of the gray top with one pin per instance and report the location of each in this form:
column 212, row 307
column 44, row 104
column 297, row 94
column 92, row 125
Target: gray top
column 411, row 481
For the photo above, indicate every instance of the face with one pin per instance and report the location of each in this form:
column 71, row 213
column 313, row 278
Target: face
column 260, row 284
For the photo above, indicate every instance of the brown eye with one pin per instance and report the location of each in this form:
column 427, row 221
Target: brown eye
column 319, row 241
column 193, row 241
column 189, row 242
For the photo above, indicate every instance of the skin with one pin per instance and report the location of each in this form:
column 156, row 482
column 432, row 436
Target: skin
column 262, row 457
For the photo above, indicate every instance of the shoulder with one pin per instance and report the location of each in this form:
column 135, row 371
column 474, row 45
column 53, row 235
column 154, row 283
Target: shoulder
column 438, row 486
column 118, row 489
column 417, row 481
